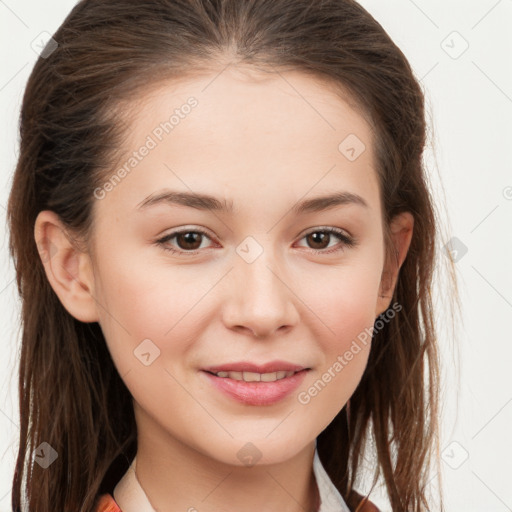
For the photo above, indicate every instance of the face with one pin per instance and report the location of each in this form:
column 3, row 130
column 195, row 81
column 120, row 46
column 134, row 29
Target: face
column 187, row 284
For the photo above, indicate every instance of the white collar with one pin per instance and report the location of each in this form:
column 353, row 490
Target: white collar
column 130, row 496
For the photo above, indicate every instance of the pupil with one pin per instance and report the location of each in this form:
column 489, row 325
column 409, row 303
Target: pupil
column 319, row 235
column 190, row 238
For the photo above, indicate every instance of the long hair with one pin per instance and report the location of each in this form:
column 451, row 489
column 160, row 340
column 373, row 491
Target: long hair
column 106, row 54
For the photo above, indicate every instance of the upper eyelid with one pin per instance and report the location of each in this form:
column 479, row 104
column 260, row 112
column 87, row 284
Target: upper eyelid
column 205, row 231
column 322, row 228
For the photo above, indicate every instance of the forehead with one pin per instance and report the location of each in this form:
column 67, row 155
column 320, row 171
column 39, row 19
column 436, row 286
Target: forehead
column 279, row 106
column 285, row 132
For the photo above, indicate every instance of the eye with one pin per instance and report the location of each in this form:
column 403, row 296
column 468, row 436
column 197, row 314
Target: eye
column 320, row 243
column 188, row 241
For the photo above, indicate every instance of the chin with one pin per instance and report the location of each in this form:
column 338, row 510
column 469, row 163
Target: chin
column 259, row 450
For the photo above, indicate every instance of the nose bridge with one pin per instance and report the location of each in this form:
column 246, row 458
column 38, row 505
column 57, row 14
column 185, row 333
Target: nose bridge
column 259, row 298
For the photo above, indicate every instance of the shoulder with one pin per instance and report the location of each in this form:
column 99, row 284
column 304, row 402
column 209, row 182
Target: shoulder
column 364, row 504
column 106, row 503
column 367, row 506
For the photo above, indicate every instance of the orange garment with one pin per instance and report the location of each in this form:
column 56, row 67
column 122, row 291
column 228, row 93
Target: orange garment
column 107, row 504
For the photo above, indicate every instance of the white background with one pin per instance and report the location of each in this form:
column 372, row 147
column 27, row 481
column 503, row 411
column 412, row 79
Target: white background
column 469, row 104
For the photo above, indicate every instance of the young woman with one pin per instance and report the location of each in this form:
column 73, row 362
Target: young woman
column 224, row 244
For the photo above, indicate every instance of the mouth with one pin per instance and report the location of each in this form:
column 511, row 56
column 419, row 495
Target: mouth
column 254, row 388
column 255, row 376
column 253, row 369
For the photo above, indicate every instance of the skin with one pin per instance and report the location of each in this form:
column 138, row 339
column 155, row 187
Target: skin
column 258, row 142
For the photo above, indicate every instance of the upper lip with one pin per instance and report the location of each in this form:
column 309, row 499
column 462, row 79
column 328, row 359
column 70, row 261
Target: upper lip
column 245, row 366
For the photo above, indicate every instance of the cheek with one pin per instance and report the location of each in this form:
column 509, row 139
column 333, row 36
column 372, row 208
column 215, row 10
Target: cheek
column 345, row 305
column 143, row 303
column 344, row 301
column 347, row 312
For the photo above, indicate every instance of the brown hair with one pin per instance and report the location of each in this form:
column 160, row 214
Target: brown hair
column 70, row 394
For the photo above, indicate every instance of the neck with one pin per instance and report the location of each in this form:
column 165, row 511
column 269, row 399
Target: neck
column 175, row 477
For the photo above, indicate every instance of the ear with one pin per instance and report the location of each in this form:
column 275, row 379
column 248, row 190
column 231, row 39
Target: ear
column 401, row 229
column 68, row 269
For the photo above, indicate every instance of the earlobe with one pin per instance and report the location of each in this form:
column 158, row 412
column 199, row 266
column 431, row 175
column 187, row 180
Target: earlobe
column 401, row 230
column 68, row 269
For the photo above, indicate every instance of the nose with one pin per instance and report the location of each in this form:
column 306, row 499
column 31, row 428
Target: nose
column 261, row 300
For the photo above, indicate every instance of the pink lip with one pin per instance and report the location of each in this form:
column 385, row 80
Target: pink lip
column 245, row 366
column 257, row 393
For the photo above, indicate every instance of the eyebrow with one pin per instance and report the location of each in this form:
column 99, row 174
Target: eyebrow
column 210, row 203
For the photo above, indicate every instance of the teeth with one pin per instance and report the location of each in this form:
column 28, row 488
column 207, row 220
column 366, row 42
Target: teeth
column 255, row 377
column 251, row 377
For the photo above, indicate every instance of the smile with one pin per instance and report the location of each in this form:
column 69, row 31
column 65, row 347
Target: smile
column 256, row 377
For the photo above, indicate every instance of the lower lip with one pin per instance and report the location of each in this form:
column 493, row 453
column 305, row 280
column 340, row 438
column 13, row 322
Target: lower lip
column 258, row 393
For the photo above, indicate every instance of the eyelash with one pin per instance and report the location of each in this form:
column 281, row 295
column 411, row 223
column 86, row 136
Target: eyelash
column 347, row 241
